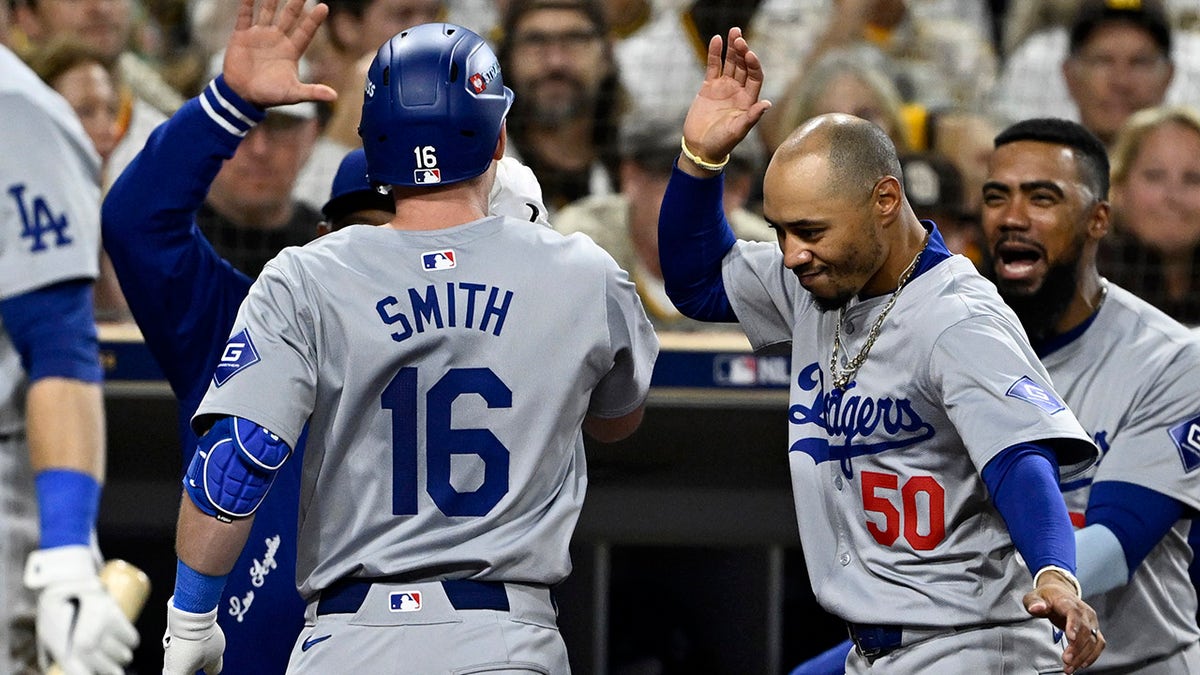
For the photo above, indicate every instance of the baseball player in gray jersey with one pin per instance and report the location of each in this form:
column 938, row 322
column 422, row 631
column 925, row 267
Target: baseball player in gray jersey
column 1129, row 373
column 444, row 467
column 51, row 406
column 925, row 437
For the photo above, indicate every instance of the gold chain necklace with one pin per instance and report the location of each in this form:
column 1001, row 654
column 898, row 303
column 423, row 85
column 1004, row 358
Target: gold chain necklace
column 841, row 378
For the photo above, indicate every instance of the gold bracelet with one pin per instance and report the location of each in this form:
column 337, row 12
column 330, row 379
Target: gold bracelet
column 703, row 164
column 1066, row 573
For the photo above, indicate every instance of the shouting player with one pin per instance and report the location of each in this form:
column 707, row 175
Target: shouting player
column 925, row 436
column 429, row 395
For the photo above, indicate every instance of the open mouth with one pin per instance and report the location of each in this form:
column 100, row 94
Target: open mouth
column 1018, row 261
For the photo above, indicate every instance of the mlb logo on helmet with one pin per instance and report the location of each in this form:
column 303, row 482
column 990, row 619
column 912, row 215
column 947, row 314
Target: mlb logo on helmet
column 405, row 601
column 438, row 260
column 427, row 176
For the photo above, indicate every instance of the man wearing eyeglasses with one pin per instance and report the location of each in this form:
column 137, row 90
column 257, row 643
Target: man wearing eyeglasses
column 557, row 56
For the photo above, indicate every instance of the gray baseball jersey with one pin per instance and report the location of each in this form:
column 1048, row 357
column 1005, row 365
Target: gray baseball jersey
column 444, row 376
column 1144, row 413
column 895, row 520
column 49, row 232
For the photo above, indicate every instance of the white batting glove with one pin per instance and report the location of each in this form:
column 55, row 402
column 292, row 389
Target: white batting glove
column 192, row 642
column 79, row 625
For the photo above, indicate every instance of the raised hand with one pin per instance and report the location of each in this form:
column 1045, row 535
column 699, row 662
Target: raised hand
column 727, row 106
column 261, row 60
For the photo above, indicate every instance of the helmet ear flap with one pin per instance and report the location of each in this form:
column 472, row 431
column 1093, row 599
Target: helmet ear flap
column 433, row 106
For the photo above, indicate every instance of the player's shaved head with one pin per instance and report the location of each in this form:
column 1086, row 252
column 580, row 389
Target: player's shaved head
column 857, row 152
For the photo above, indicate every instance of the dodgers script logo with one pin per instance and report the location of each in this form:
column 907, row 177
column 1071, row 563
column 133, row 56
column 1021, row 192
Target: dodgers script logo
column 865, row 425
column 239, row 354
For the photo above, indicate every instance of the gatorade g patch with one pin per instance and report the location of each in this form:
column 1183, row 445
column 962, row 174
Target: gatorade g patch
column 238, row 355
column 1187, row 440
column 1031, row 392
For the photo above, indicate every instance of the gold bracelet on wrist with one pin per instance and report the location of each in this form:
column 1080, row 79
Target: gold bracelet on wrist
column 696, row 159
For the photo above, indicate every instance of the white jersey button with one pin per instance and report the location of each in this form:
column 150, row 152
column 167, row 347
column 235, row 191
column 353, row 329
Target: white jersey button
column 837, row 482
column 844, row 559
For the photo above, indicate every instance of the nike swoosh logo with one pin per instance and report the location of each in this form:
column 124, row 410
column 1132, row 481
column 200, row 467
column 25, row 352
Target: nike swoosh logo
column 312, row 641
column 535, row 212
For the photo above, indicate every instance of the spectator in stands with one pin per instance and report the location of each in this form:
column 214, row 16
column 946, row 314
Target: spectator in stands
column 935, row 190
column 557, row 57
column 626, row 223
column 1154, row 249
column 847, row 80
column 662, row 64
column 250, row 213
column 78, row 72
column 1116, row 57
column 105, row 26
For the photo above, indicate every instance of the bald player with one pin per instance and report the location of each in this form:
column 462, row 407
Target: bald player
column 444, row 468
column 184, row 298
column 1045, row 212
column 925, row 437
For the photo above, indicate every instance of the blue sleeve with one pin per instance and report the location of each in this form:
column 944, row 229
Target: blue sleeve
column 1138, row 516
column 54, row 331
column 183, row 296
column 1023, row 480
column 693, row 238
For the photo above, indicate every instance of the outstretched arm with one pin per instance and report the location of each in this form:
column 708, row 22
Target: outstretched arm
column 261, row 68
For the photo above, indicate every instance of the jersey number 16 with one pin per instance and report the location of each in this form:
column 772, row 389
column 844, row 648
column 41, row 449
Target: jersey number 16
column 442, row 441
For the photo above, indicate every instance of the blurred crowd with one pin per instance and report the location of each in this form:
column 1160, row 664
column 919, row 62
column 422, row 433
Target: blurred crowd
column 601, row 87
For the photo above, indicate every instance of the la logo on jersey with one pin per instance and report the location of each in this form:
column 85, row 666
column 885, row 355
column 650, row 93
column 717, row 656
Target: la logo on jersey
column 1187, row 440
column 1029, row 391
column 438, row 260
column 238, row 355
column 405, row 601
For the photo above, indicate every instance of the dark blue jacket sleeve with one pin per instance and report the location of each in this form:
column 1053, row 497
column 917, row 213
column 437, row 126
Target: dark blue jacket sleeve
column 183, row 296
column 1023, row 480
column 693, row 238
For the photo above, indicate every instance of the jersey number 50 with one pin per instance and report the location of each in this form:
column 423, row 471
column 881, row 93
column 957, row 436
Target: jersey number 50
column 442, row 441
column 910, row 518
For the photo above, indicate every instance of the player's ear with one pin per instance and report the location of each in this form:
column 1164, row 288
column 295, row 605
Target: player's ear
column 888, row 198
column 502, row 142
column 1098, row 221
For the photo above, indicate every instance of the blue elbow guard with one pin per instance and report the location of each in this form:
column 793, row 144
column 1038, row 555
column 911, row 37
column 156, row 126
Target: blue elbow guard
column 234, row 466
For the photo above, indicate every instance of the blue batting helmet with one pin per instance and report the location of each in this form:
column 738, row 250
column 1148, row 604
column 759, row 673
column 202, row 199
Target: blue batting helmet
column 433, row 107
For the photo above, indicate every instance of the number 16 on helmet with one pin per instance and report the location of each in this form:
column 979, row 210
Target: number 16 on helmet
column 433, row 107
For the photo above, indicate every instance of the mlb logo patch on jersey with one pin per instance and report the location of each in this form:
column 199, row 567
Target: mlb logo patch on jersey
column 438, row 260
column 427, row 176
column 405, row 601
column 238, row 355
column 1187, row 440
column 1029, row 391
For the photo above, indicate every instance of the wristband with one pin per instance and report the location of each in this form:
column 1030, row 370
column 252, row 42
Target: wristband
column 703, row 164
column 1066, row 573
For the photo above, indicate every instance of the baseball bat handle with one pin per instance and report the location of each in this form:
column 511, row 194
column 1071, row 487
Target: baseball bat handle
column 128, row 585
